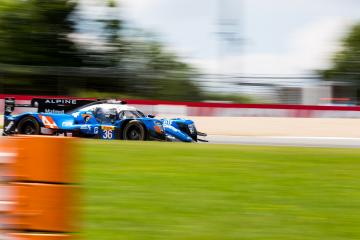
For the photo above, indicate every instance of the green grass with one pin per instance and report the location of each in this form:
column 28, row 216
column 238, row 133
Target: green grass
column 164, row 191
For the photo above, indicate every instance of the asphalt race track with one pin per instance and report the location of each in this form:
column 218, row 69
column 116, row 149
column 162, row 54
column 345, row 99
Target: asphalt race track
column 333, row 142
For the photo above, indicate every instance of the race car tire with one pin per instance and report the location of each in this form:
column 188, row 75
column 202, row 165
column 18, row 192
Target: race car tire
column 28, row 126
column 134, row 131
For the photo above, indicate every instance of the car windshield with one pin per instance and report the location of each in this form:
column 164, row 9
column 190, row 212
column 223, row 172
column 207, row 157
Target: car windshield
column 110, row 112
column 130, row 114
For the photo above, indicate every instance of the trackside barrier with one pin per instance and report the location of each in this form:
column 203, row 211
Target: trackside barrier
column 211, row 109
column 38, row 195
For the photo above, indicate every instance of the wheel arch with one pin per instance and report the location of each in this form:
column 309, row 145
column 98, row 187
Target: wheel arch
column 29, row 117
column 127, row 121
column 25, row 116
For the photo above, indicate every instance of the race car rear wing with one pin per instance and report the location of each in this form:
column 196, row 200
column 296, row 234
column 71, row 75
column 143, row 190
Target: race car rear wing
column 59, row 106
column 47, row 105
column 10, row 106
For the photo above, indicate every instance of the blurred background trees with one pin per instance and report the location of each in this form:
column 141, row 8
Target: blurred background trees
column 346, row 63
column 61, row 47
column 33, row 43
column 40, row 53
column 346, row 66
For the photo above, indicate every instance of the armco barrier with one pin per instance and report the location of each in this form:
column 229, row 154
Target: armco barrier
column 173, row 108
column 38, row 195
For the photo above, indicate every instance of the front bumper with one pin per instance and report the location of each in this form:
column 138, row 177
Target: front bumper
column 154, row 136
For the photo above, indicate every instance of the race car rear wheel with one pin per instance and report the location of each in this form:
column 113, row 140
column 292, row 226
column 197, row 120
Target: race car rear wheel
column 134, row 131
column 28, row 126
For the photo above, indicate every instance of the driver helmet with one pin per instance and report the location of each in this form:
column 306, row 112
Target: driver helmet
column 99, row 114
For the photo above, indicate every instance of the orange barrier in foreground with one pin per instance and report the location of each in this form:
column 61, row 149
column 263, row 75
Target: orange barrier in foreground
column 37, row 192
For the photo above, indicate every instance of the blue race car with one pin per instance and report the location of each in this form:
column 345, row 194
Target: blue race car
column 103, row 119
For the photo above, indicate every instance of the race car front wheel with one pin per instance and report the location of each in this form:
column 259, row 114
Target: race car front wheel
column 28, row 126
column 134, row 131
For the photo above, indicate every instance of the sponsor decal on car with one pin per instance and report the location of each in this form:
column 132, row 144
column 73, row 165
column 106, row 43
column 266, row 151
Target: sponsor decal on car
column 9, row 126
column 86, row 117
column 53, row 111
column 76, row 114
column 61, row 101
column 48, row 122
column 107, row 127
column 67, row 124
column 85, row 126
column 167, row 122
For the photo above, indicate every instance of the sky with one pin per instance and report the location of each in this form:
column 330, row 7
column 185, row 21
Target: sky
column 267, row 36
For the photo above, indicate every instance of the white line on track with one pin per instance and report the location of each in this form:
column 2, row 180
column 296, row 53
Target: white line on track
column 287, row 141
column 320, row 138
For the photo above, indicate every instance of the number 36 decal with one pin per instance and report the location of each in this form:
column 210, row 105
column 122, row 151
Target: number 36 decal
column 107, row 134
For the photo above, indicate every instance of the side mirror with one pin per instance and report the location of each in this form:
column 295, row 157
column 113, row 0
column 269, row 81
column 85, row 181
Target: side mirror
column 151, row 116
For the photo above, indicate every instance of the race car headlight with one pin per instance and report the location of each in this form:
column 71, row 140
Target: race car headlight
column 191, row 128
column 159, row 127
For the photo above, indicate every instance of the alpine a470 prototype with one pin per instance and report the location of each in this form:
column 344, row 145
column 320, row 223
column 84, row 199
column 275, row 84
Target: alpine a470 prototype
column 104, row 119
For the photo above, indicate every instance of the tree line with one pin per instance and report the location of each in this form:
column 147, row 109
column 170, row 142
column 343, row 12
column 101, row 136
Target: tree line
column 42, row 52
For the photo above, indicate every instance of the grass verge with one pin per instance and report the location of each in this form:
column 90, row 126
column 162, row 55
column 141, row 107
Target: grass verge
column 192, row 191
